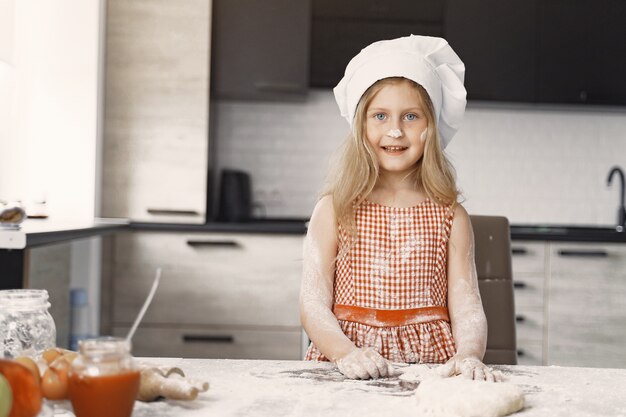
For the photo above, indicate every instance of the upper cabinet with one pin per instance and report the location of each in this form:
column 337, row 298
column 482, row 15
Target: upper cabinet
column 581, row 55
column 496, row 41
column 548, row 51
column 155, row 150
column 260, row 49
column 340, row 29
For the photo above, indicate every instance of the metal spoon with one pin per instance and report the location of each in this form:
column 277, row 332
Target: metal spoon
column 145, row 306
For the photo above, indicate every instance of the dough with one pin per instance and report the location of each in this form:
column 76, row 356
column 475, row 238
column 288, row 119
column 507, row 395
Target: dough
column 460, row 397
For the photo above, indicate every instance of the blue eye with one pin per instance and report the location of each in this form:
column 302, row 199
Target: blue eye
column 411, row 117
column 379, row 116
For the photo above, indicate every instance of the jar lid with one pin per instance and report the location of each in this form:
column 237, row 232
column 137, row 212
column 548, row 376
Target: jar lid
column 104, row 347
column 23, row 299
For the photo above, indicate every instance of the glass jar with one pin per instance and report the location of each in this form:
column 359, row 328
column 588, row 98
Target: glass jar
column 26, row 326
column 103, row 379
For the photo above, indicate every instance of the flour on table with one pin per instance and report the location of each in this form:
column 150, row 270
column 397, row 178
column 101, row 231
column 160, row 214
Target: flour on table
column 460, row 397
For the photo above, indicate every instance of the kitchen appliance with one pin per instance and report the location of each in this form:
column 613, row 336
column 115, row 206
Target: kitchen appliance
column 235, row 203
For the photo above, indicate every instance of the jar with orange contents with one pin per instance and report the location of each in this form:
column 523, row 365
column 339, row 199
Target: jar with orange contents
column 103, row 379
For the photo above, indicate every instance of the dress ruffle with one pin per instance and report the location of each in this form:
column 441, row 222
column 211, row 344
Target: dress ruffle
column 430, row 342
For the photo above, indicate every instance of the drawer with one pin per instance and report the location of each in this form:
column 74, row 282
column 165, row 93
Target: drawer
column 577, row 353
column 209, row 279
column 529, row 352
column 529, row 324
column 588, row 259
column 528, row 291
column 588, row 297
column 528, row 258
column 193, row 250
column 587, row 321
column 215, row 342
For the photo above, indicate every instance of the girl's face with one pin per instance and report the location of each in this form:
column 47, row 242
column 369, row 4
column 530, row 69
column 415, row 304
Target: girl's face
column 395, row 121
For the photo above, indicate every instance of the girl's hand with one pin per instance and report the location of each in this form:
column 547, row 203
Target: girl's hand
column 470, row 368
column 364, row 363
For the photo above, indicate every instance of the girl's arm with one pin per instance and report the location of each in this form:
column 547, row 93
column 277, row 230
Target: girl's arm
column 467, row 317
column 316, row 300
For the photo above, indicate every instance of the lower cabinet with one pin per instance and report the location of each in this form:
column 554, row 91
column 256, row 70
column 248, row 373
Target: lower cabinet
column 570, row 302
column 528, row 282
column 215, row 342
column 221, row 295
column 49, row 267
column 587, row 309
column 227, row 295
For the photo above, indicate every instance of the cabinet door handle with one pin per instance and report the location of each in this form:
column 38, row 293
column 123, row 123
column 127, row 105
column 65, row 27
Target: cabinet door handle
column 520, row 319
column 201, row 338
column 520, row 352
column 214, row 243
column 291, row 88
column 519, row 251
column 172, row 212
column 583, row 253
column 519, row 284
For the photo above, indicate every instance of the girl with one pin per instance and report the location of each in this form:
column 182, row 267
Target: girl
column 389, row 273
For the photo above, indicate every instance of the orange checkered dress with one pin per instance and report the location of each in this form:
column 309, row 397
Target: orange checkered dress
column 397, row 262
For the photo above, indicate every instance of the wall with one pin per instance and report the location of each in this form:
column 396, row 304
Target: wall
column 7, row 33
column 52, row 138
column 49, row 129
column 534, row 164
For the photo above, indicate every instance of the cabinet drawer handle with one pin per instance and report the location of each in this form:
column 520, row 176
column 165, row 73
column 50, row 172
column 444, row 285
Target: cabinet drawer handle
column 199, row 338
column 520, row 352
column 583, row 253
column 214, row 243
column 520, row 319
column 519, row 251
column 171, row 212
column 519, row 284
column 291, row 88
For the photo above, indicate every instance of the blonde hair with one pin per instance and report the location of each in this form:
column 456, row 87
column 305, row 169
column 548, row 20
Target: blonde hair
column 355, row 174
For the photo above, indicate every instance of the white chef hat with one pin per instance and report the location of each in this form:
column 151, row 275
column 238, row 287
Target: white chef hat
column 429, row 61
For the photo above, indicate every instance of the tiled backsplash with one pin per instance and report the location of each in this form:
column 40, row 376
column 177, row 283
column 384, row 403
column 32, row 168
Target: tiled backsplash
column 532, row 164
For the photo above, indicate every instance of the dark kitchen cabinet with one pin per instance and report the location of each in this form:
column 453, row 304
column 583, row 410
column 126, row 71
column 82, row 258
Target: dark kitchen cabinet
column 496, row 41
column 581, row 51
column 534, row 51
column 260, row 49
column 340, row 29
column 549, row 51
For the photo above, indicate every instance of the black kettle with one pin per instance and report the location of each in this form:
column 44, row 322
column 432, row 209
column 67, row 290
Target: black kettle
column 235, row 204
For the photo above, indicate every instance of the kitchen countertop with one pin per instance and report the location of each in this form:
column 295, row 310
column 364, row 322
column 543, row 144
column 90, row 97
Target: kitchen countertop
column 39, row 232
column 35, row 232
column 299, row 388
column 565, row 233
column 546, row 232
column 268, row 225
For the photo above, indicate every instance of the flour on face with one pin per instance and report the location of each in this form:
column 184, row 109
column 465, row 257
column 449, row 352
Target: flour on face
column 394, row 133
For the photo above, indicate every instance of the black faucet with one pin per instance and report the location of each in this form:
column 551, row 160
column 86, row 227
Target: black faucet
column 621, row 211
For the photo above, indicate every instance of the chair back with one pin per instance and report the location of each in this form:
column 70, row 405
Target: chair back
column 495, row 280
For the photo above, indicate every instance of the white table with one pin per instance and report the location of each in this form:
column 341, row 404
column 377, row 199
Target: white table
column 298, row 388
